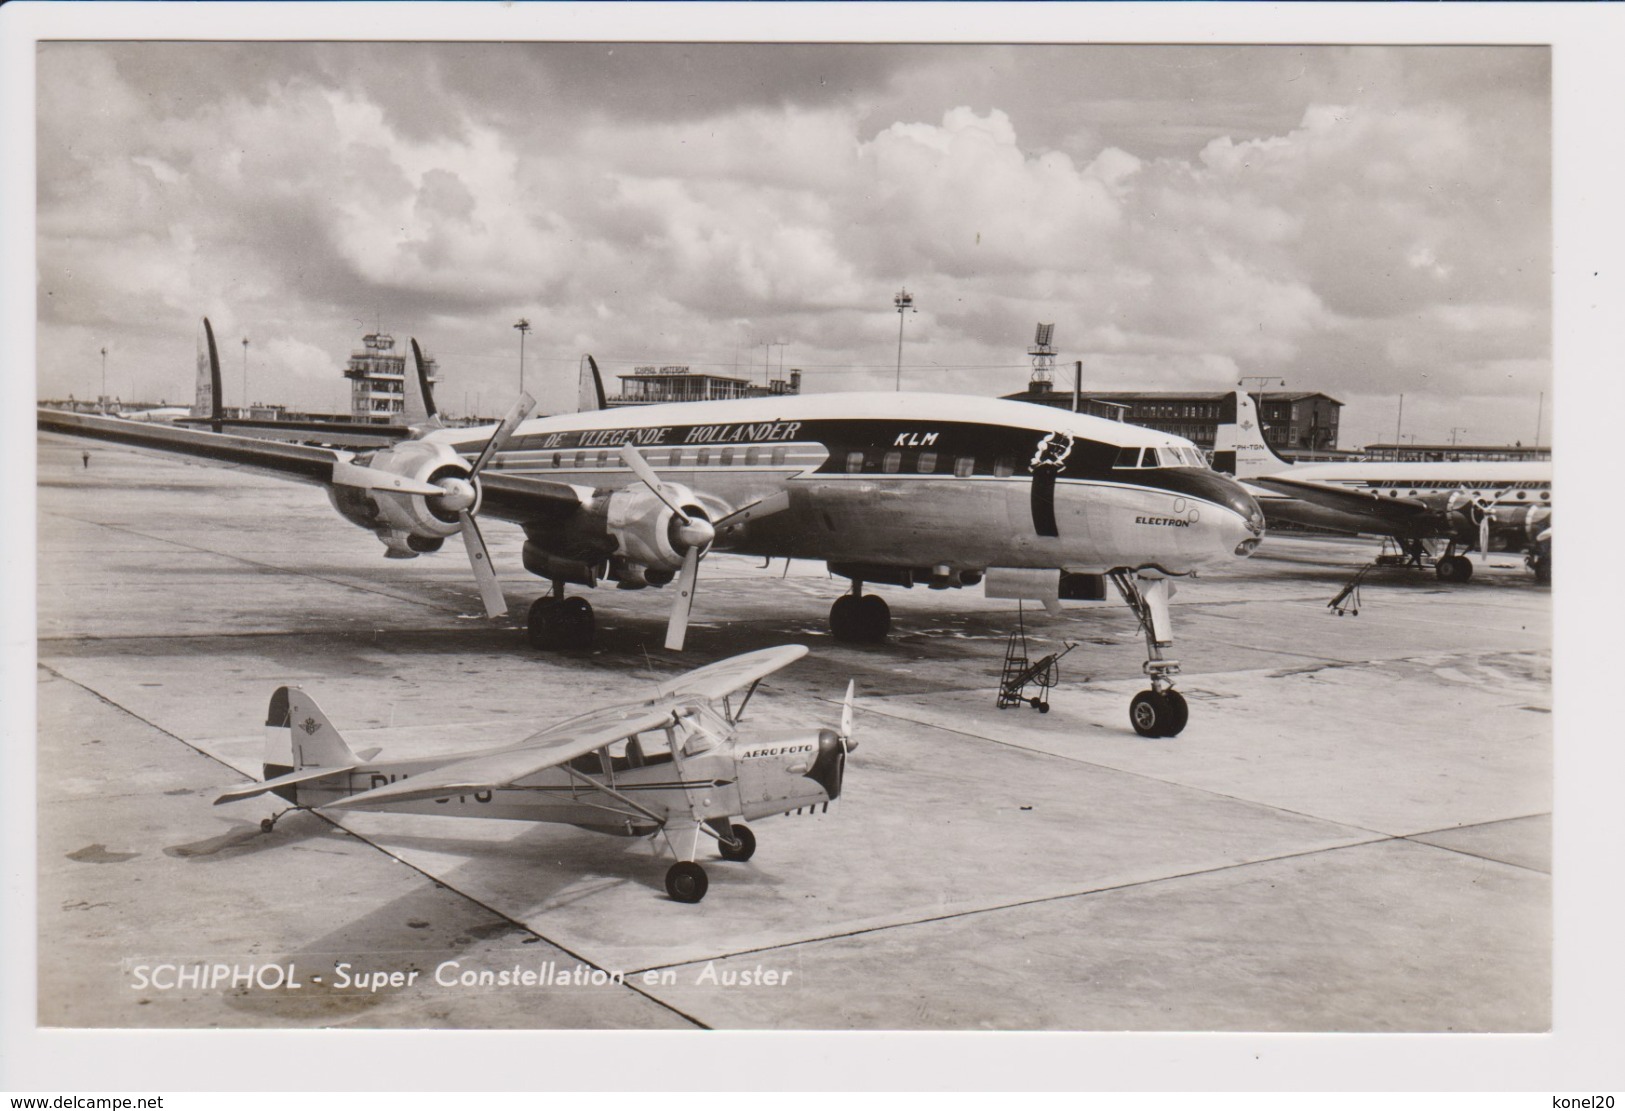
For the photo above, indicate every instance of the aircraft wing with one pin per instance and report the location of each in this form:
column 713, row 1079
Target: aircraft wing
column 547, row 749
column 722, row 678
column 1344, row 500
column 508, row 497
column 299, row 462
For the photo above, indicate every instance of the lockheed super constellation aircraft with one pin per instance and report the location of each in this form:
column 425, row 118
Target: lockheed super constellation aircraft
column 1505, row 506
column 893, row 488
column 676, row 764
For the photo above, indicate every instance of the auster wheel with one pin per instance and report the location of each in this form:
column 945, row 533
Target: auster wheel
column 1148, row 712
column 686, row 882
column 1178, row 713
column 747, row 844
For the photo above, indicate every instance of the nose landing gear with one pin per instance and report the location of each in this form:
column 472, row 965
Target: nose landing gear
column 1160, row 711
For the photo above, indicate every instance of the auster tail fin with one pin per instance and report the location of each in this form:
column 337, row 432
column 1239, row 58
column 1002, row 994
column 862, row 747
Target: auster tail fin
column 1239, row 446
column 299, row 735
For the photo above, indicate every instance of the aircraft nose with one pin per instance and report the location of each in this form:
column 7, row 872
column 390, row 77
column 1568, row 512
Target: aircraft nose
column 830, row 767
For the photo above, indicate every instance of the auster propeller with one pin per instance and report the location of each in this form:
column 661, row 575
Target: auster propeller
column 679, row 765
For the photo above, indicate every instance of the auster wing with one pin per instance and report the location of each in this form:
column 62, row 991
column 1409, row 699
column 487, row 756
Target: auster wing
column 537, row 753
column 1346, row 501
column 714, row 681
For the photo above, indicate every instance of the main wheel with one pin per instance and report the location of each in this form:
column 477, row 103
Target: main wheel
column 686, row 882
column 1150, row 714
column 843, row 618
column 1454, row 569
column 555, row 625
column 874, row 618
column 747, row 844
column 1178, row 713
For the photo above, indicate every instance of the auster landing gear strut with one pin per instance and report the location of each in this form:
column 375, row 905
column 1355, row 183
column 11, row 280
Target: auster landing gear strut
column 557, row 623
column 1160, row 711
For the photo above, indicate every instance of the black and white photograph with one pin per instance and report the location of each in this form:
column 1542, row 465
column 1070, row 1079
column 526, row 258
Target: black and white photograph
column 543, row 525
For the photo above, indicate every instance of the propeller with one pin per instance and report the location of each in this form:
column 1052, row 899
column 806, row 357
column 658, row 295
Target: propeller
column 847, row 743
column 694, row 535
column 460, row 494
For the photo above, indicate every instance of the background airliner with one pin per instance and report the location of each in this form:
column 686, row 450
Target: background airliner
column 1488, row 506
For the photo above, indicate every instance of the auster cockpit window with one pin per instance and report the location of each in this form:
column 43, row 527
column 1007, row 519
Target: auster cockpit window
column 699, row 730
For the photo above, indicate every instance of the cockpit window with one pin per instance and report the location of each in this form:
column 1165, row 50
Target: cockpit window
column 1169, row 455
column 699, row 730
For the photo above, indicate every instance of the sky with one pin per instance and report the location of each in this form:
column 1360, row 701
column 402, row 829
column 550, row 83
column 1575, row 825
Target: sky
column 1363, row 221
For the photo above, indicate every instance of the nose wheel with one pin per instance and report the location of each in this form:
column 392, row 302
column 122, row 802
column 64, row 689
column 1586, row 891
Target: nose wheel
column 1157, row 713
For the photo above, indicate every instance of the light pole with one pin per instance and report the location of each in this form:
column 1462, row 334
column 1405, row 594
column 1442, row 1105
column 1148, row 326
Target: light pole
column 104, row 379
column 245, row 376
column 522, row 327
column 1453, row 432
column 767, row 353
column 905, row 304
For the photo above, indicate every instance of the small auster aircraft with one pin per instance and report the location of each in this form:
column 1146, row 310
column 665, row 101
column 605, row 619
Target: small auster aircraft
column 676, row 764
column 935, row 490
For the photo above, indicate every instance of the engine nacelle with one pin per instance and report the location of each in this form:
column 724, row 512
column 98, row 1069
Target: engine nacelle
column 410, row 524
column 649, row 534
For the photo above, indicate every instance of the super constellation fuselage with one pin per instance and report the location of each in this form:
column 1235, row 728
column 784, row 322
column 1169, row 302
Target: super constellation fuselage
column 927, row 480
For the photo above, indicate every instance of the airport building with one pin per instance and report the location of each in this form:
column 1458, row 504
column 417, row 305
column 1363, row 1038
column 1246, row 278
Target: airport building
column 377, row 376
column 1296, row 424
column 658, row 385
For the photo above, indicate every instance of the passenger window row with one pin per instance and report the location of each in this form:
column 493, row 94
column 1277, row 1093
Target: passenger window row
column 924, row 462
column 676, row 457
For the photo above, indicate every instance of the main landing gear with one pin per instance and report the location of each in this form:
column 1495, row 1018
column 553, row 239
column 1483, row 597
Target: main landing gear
column 1160, row 711
column 1453, row 568
column 557, row 623
column 686, row 881
column 860, row 618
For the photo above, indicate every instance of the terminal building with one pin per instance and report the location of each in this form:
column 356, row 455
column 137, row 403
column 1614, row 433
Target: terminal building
column 659, row 385
column 1297, row 425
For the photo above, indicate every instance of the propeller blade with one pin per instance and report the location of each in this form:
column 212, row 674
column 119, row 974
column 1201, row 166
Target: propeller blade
column 677, row 627
column 847, row 743
column 521, row 409
column 1484, row 537
column 640, row 467
column 479, row 558
column 765, row 507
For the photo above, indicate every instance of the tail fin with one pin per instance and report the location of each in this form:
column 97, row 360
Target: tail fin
column 207, row 402
column 300, row 745
column 590, row 387
column 298, row 735
column 417, row 405
column 1239, row 447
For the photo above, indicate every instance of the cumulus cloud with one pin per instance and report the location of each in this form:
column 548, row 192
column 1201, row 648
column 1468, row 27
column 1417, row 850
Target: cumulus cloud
column 1351, row 219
